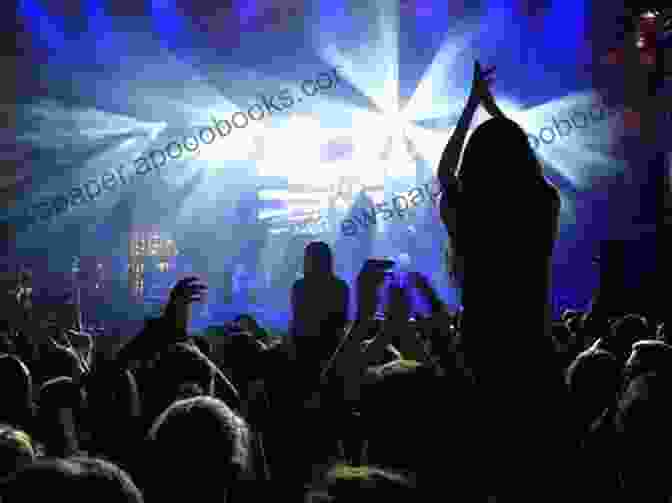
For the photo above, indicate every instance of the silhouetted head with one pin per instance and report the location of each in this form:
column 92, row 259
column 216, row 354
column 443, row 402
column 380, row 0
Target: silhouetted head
column 593, row 381
column 16, row 450
column 399, row 308
column 594, row 326
column 318, row 259
column 75, row 480
column 389, row 417
column 181, row 371
column 61, row 401
column 17, row 392
column 198, row 448
column 645, row 417
column 649, row 356
column 370, row 282
column 112, row 397
column 499, row 150
column 251, row 325
column 625, row 332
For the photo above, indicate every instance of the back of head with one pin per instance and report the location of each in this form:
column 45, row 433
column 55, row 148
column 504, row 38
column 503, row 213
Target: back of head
column 60, row 392
column 594, row 326
column 499, row 150
column 645, row 416
column 500, row 167
column 369, row 282
column 402, row 399
column 247, row 322
column 399, row 304
column 649, row 356
column 75, row 480
column 250, row 324
column 110, row 389
column 113, row 397
column 593, row 380
column 628, row 330
column 181, row 371
column 17, row 392
column 243, row 357
column 318, row 260
column 60, row 401
column 198, row 447
column 183, row 363
column 643, row 408
column 16, row 450
column 366, row 297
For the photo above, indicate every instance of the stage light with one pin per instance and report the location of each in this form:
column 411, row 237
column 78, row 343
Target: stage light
column 396, row 123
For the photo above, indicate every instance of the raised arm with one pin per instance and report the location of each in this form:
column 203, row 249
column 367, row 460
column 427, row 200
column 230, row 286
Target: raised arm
column 170, row 328
column 346, row 360
column 450, row 159
column 178, row 309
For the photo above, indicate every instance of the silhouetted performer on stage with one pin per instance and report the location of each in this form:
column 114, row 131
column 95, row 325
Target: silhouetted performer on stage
column 319, row 310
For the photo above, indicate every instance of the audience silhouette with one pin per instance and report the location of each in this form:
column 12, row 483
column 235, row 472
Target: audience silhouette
column 406, row 400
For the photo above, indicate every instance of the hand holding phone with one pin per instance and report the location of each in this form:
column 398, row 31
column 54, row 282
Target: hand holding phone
column 383, row 295
column 371, row 285
column 425, row 300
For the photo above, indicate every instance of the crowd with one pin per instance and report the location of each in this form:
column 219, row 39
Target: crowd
column 407, row 400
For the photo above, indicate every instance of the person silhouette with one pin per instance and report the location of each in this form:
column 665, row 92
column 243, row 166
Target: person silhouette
column 502, row 216
column 320, row 303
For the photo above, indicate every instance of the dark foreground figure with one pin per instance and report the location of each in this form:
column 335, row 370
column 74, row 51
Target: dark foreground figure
column 405, row 402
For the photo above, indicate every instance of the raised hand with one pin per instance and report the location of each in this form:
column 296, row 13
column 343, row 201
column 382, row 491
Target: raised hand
column 480, row 90
column 450, row 159
column 425, row 289
column 480, row 82
column 188, row 290
column 184, row 293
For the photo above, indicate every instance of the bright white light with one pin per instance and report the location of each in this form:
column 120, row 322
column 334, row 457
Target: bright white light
column 295, row 151
column 238, row 146
column 396, row 121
